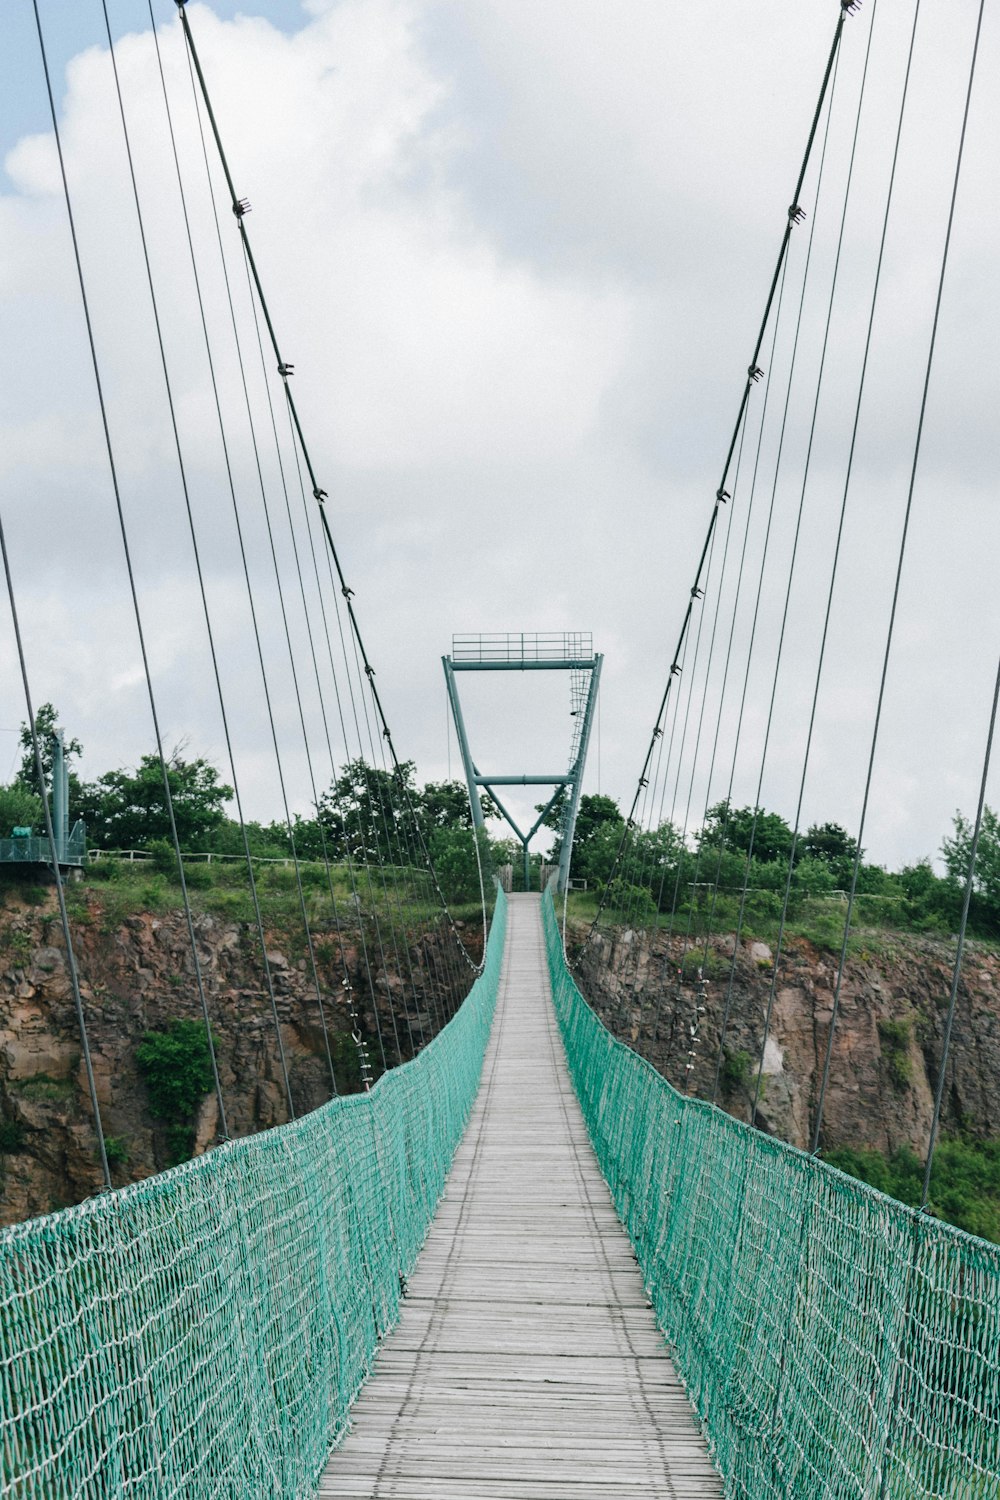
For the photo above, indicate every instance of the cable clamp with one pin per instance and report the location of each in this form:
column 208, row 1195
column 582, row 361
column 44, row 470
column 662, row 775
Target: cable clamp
column 644, row 781
column 347, row 593
column 657, row 733
column 850, row 7
column 697, row 593
column 369, row 670
column 796, row 214
column 387, row 733
column 754, row 372
column 285, row 370
column 675, row 670
column 241, row 207
column 320, row 495
column 721, row 496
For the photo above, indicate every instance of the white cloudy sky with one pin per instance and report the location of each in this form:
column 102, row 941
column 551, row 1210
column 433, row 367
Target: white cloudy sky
column 518, row 253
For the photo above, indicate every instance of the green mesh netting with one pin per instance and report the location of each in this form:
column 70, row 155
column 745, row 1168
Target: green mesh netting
column 834, row 1342
column 204, row 1332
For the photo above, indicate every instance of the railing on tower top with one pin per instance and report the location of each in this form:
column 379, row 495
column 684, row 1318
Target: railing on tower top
column 523, row 645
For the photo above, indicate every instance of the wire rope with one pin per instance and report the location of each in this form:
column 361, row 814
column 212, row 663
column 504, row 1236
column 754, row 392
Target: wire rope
column 133, row 586
column 240, row 207
column 250, row 593
column 210, row 632
column 74, row 976
column 959, row 952
column 754, row 373
column 890, row 632
column 347, row 852
column 786, row 605
column 797, row 823
column 296, row 686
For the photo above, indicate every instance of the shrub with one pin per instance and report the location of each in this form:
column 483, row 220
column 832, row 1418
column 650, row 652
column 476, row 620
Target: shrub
column 895, row 1039
column 177, row 1067
column 735, row 1071
column 965, row 1181
column 116, row 1150
column 11, row 1136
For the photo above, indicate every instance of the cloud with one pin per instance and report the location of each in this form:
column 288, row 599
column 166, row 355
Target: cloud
column 517, row 254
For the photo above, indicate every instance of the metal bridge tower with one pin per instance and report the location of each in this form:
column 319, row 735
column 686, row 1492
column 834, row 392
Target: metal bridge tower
column 567, row 651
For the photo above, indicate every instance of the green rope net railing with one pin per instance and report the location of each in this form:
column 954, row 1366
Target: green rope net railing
column 204, row 1332
column 834, row 1342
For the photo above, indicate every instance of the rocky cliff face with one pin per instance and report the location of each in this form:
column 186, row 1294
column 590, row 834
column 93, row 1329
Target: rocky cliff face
column 887, row 1044
column 139, row 976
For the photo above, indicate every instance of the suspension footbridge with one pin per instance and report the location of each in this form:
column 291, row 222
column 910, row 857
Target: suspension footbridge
column 508, row 1261
column 526, row 1361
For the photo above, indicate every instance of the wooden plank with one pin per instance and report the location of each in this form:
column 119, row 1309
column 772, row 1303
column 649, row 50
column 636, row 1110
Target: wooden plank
column 527, row 1364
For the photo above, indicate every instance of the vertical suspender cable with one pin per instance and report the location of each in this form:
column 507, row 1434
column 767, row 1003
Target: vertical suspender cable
column 74, row 977
column 901, row 557
column 754, row 373
column 779, row 945
column 240, row 207
column 265, row 680
column 959, row 951
column 251, row 876
column 133, row 587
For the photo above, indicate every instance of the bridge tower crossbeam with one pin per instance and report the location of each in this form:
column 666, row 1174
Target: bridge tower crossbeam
column 530, row 651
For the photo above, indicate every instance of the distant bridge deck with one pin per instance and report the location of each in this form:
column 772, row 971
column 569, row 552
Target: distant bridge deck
column 527, row 1364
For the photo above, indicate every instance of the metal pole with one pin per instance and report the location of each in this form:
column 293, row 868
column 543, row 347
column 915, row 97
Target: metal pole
column 479, row 822
column 60, row 797
column 569, row 822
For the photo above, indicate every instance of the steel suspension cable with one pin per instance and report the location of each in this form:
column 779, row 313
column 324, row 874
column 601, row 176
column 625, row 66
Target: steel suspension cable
column 293, row 669
column 890, row 632
column 782, row 632
column 326, row 726
column 754, row 373
column 779, row 945
column 36, row 750
column 224, row 714
column 251, row 601
column 133, row 586
column 240, row 208
column 960, row 948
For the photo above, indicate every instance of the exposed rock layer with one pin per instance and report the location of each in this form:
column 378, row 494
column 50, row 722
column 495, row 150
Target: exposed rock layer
column 138, row 977
column 887, row 1042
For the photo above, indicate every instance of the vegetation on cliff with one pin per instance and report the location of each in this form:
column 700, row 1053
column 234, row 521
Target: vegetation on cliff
column 965, row 1180
column 702, row 877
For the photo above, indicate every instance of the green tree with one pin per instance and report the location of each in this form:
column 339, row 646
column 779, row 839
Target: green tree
column 596, row 837
column 445, row 804
column 453, row 851
column 734, row 827
column 365, row 813
column 46, row 724
column 177, row 1067
column 128, row 809
column 833, row 845
column 956, row 852
column 19, row 808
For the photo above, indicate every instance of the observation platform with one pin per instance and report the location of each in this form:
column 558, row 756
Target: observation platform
column 527, row 1364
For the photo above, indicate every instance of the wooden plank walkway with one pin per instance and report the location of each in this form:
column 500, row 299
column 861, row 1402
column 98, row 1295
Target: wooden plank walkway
column 527, row 1364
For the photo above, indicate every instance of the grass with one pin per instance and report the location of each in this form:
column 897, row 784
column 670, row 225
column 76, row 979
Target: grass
column 818, row 920
column 44, row 1088
column 112, row 890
